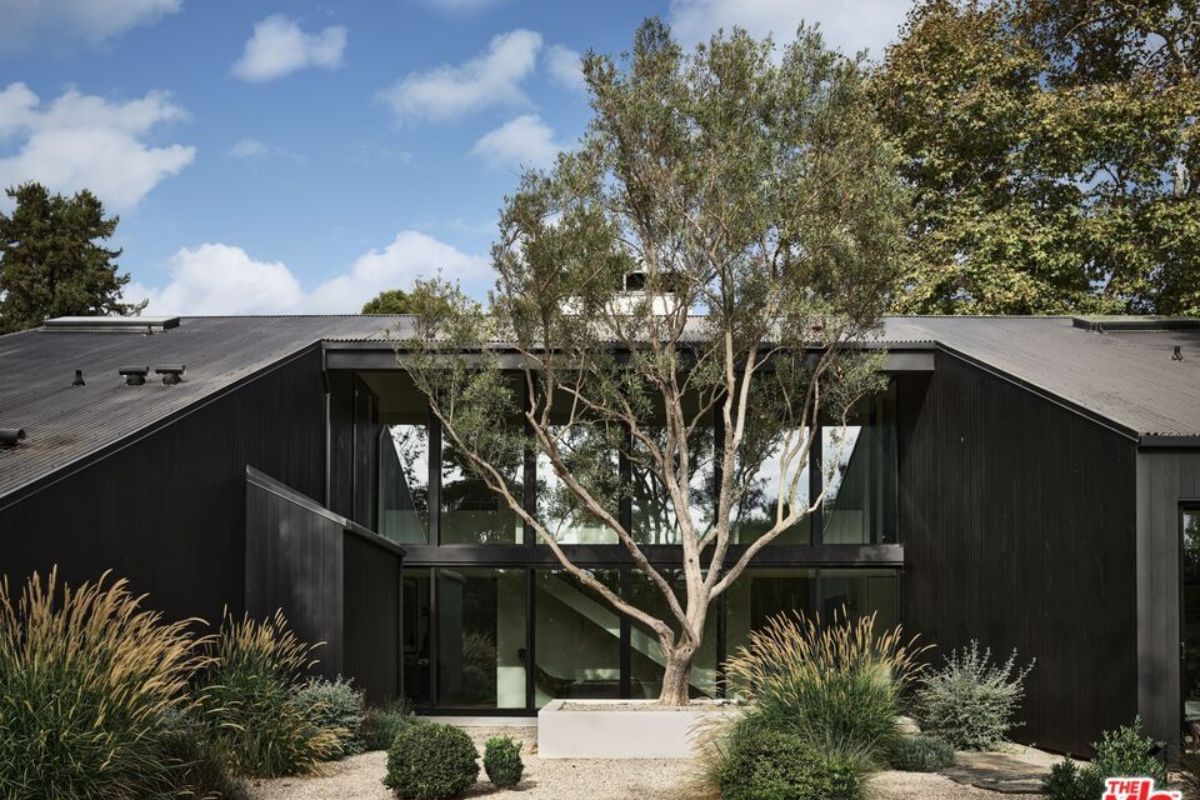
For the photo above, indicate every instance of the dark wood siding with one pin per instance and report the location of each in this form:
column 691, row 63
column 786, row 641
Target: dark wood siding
column 1165, row 480
column 167, row 511
column 1018, row 522
column 294, row 564
column 372, row 624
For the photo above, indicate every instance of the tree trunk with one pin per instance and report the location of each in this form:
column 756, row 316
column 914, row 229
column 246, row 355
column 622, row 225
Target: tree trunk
column 676, row 676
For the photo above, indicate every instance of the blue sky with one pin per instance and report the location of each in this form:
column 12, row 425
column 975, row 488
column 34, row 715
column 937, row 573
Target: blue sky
column 291, row 157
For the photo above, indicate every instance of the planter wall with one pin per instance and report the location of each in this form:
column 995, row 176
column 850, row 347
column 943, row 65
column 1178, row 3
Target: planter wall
column 622, row 728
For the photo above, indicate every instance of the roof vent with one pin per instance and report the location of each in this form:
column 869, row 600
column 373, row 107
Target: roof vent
column 171, row 375
column 10, row 436
column 1102, row 324
column 134, row 376
column 146, row 325
column 79, row 381
column 1177, row 355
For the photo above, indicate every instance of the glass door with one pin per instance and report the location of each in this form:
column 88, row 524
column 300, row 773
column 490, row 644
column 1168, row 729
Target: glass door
column 1190, row 601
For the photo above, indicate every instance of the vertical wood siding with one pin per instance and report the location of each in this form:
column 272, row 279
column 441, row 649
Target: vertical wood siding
column 1018, row 521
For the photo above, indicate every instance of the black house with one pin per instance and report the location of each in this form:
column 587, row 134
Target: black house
column 1033, row 483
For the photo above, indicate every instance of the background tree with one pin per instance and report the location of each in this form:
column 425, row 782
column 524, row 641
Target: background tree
column 760, row 203
column 1049, row 147
column 389, row 301
column 51, row 263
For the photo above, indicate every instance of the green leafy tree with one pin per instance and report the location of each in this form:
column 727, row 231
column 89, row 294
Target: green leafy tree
column 1049, row 148
column 52, row 263
column 390, row 301
column 758, row 202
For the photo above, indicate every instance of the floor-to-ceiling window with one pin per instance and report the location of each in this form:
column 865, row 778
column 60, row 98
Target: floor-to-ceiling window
column 492, row 624
column 1189, row 523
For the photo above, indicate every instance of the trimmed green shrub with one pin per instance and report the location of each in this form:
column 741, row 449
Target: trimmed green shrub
column 765, row 764
column 970, row 702
column 502, row 761
column 88, row 679
column 1123, row 753
column 922, row 754
column 248, row 700
column 382, row 724
column 337, row 706
column 430, row 761
column 838, row 685
column 199, row 768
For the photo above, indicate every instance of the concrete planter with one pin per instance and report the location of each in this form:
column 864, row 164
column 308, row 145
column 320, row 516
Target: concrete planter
column 622, row 728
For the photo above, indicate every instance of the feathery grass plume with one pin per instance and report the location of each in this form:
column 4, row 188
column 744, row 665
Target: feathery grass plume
column 840, row 684
column 89, row 681
column 249, row 699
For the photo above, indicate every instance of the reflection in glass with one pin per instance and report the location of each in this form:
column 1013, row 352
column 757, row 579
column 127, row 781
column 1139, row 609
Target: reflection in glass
column 860, row 592
column 593, row 460
column 654, row 517
column 481, row 638
column 471, row 512
column 755, row 513
column 761, row 594
column 577, row 638
column 404, row 483
column 417, row 633
column 1190, row 521
column 859, row 470
column 647, row 660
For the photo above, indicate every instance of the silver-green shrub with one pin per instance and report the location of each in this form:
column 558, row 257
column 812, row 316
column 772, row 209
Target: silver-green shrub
column 970, row 702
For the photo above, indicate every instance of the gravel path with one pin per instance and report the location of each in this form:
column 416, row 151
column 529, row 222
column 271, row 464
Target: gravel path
column 360, row 778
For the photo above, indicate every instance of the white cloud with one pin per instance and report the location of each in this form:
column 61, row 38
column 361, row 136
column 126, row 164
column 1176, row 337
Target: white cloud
column 216, row 279
column 848, row 24
column 36, row 24
column 86, row 142
column 221, row 279
column 520, row 143
column 279, row 47
column 565, row 66
column 256, row 149
column 411, row 254
column 449, row 92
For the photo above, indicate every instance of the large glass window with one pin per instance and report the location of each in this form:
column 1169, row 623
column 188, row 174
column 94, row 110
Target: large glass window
column 764, row 483
column 577, row 638
column 417, row 636
column 655, row 520
column 589, row 454
column 859, row 473
column 646, row 656
column 471, row 512
column 761, row 594
column 404, row 483
column 1190, row 523
column 481, row 638
column 859, row 592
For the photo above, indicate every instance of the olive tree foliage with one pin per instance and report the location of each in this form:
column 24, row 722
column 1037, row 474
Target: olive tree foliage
column 752, row 190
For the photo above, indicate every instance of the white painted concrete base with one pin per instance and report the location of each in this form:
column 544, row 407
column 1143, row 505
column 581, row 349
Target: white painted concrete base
column 485, row 722
column 596, row 732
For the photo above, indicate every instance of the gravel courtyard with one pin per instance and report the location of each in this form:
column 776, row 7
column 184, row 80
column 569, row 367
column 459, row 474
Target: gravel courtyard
column 360, row 778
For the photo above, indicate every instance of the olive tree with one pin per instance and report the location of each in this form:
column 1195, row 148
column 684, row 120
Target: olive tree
column 677, row 301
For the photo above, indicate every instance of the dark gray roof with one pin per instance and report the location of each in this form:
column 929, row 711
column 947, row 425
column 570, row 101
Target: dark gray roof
column 1126, row 378
column 66, row 423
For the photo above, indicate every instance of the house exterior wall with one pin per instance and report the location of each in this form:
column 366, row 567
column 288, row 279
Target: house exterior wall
column 1166, row 479
column 167, row 510
column 1018, row 522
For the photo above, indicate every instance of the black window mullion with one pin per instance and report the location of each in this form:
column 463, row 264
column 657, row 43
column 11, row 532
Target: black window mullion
column 625, row 688
column 530, row 639
column 816, row 478
column 435, row 480
column 434, row 633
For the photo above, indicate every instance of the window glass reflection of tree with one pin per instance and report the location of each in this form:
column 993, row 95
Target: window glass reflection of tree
column 404, row 483
column 767, row 470
column 859, row 472
column 471, row 512
column 589, row 452
column 654, row 517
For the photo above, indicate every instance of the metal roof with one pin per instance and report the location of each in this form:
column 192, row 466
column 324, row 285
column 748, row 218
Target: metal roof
column 65, row 423
column 1128, row 379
